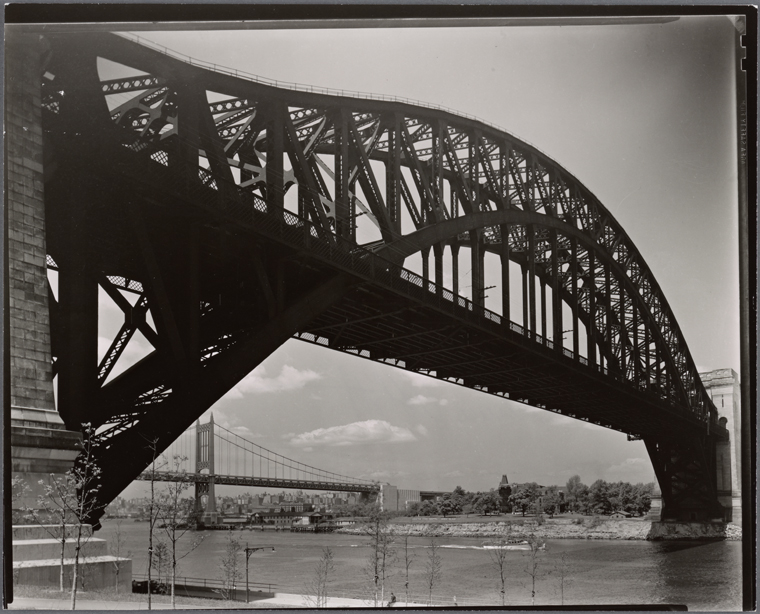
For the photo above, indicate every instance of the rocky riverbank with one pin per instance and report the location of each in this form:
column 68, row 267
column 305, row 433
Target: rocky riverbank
column 561, row 528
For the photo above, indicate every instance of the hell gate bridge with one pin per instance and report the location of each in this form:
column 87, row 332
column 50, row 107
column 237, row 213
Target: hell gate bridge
column 238, row 214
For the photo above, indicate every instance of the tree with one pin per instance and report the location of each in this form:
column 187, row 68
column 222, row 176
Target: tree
column 562, row 569
column 490, row 502
column 317, row 590
column 161, row 563
column 599, row 497
column 427, row 508
column 551, row 501
column 642, row 498
column 413, row 509
column 19, row 491
column 116, row 547
column 382, row 552
column 72, row 498
column 449, row 505
column 498, row 553
column 408, row 558
column 574, row 489
column 177, row 518
column 153, row 512
column 524, row 497
column 432, row 567
column 230, row 566
column 531, row 568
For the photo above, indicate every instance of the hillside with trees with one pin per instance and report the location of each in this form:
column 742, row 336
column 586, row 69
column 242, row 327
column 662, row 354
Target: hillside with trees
column 601, row 498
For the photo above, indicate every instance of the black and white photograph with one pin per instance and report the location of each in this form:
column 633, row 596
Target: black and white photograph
column 323, row 309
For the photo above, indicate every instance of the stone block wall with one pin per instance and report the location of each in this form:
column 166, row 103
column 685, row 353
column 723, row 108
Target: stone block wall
column 40, row 445
column 723, row 387
column 31, row 369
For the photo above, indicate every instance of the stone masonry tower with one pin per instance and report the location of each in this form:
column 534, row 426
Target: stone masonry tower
column 40, row 443
column 204, row 459
column 723, row 387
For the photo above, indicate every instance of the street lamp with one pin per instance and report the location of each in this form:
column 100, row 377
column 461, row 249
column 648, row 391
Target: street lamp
column 249, row 550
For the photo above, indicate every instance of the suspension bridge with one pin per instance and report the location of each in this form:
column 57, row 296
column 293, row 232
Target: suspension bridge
column 224, row 214
column 209, row 454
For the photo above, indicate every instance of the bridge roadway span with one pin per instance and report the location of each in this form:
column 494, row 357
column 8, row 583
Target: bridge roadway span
column 241, row 480
column 171, row 186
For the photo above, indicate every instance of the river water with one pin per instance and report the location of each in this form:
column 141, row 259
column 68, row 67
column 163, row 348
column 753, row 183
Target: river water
column 705, row 576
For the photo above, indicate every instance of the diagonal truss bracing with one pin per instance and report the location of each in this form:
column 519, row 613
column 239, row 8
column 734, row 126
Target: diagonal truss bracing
column 247, row 214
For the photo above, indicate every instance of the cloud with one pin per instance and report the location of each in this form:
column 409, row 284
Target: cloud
column 421, row 399
column 356, row 433
column 453, row 474
column 422, row 381
column 222, row 418
column 257, row 381
column 244, row 431
column 384, row 475
column 421, row 430
column 631, row 470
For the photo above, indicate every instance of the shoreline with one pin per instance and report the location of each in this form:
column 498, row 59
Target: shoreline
column 561, row 528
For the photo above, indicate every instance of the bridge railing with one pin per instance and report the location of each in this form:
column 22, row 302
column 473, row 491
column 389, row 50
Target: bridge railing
column 248, row 208
column 307, row 88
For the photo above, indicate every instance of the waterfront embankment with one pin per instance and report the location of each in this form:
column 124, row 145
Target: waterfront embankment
column 563, row 528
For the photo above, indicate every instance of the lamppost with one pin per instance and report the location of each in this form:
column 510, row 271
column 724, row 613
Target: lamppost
column 249, row 550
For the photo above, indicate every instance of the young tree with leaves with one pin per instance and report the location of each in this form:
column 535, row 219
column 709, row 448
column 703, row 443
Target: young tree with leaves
column 19, row 492
column 69, row 499
column 532, row 565
column 154, row 511
column 408, row 559
column 317, row 590
column 161, row 563
column 432, row 567
column 562, row 571
column 230, row 565
column 382, row 551
column 116, row 547
column 498, row 553
column 177, row 518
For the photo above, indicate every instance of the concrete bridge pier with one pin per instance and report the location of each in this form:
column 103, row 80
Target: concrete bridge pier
column 723, row 387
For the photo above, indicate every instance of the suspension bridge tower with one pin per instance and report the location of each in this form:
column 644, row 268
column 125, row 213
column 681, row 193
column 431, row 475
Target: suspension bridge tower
column 205, row 497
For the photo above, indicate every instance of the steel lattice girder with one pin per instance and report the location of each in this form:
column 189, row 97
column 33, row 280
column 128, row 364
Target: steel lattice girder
column 514, row 200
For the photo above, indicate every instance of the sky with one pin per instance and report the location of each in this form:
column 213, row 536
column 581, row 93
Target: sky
column 643, row 115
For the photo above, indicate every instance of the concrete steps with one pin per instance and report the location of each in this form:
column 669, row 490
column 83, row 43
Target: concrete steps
column 37, row 558
column 34, row 549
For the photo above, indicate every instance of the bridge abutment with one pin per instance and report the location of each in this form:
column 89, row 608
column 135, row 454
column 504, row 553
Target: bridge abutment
column 723, row 387
column 40, row 443
column 723, row 456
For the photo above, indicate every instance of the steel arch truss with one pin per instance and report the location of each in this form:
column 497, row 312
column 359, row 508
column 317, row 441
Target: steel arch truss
column 346, row 178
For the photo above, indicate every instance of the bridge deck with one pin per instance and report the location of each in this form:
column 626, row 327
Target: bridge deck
column 239, row 480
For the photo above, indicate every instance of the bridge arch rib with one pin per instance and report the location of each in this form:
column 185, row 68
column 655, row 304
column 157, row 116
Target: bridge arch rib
column 284, row 208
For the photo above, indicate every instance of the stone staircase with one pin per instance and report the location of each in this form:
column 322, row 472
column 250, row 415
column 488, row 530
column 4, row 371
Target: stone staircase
column 37, row 559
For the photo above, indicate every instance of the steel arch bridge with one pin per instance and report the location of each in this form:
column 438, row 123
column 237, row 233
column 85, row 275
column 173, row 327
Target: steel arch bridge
column 238, row 214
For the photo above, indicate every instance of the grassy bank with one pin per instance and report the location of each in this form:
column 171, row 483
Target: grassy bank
column 559, row 528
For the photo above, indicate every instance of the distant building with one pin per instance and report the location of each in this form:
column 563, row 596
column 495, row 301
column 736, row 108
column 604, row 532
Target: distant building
column 504, row 490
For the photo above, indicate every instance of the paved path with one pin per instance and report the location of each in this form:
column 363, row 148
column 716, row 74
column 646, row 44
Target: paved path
column 288, row 600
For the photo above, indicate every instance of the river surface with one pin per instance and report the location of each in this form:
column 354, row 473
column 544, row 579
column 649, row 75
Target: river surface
column 705, row 576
